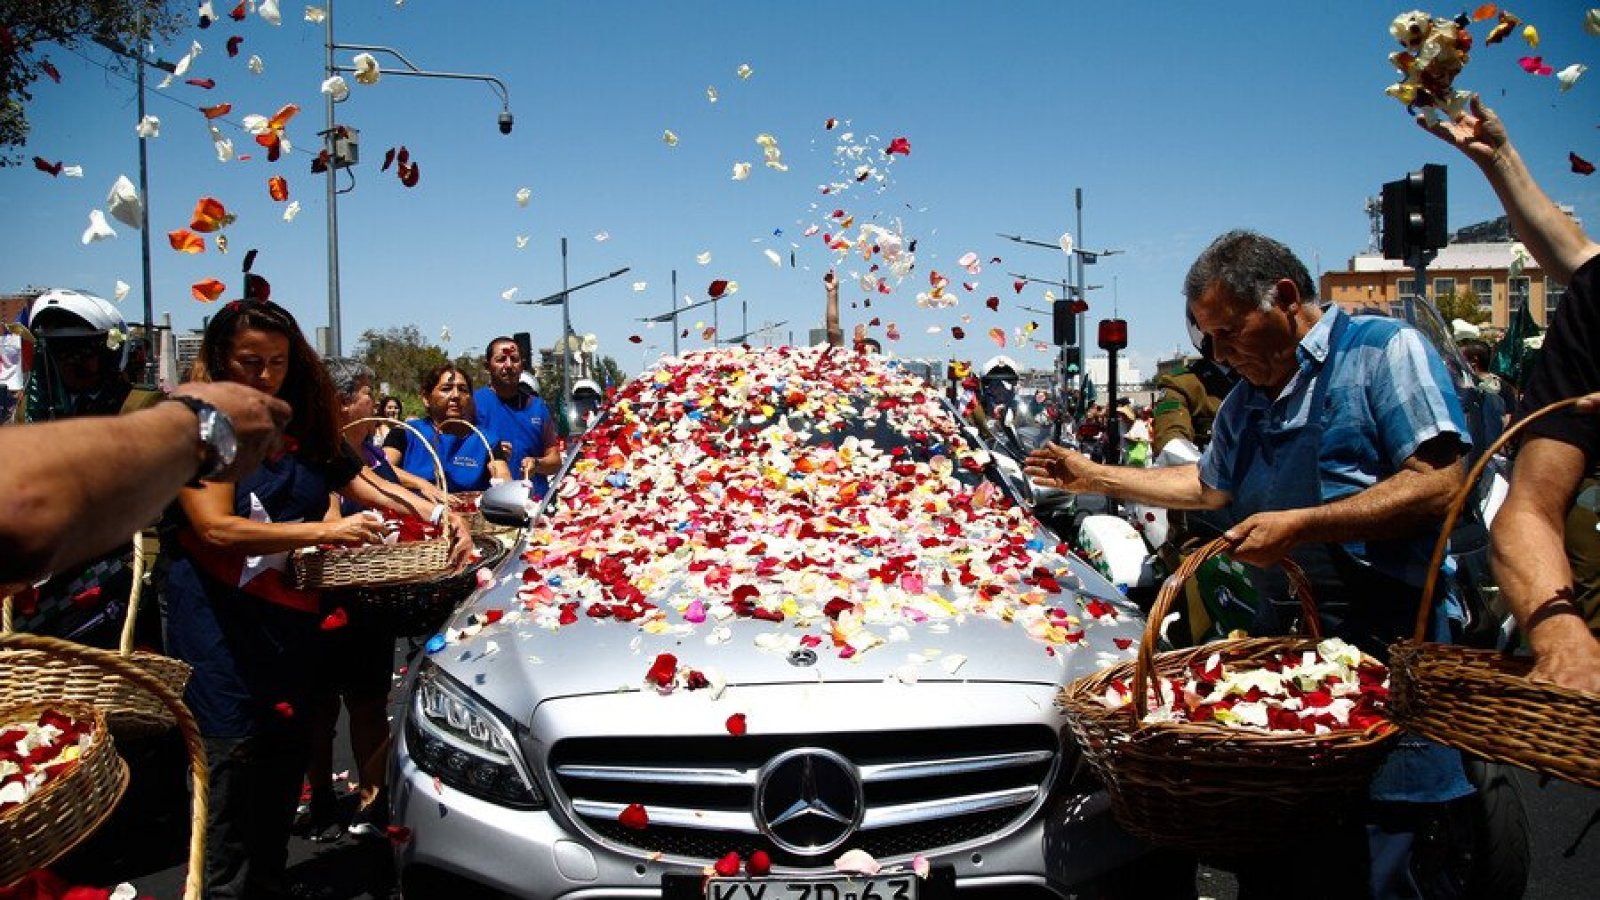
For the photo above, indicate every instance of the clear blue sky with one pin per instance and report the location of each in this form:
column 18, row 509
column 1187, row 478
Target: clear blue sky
column 1178, row 121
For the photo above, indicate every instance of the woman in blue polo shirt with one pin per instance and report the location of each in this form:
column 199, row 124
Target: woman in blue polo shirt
column 468, row 463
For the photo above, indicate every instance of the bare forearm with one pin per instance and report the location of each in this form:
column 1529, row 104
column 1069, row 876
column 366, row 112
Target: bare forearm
column 1170, row 487
column 1553, row 239
column 1530, row 565
column 240, row 535
column 834, row 329
column 373, row 492
column 71, row 490
column 549, row 463
column 1397, row 507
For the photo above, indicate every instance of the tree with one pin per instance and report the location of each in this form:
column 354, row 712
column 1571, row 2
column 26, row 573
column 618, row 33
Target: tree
column 28, row 28
column 1461, row 305
column 399, row 356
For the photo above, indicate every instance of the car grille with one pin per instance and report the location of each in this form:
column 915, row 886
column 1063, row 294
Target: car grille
column 923, row 791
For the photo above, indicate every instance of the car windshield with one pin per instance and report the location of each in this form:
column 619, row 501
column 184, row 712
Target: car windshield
column 794, row 479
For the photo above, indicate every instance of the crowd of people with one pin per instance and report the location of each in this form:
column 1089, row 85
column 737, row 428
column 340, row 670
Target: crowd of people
column 1339, row 446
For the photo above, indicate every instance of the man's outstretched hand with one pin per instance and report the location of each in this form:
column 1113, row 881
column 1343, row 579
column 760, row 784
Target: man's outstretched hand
column 1054, row 466
column 258, row 421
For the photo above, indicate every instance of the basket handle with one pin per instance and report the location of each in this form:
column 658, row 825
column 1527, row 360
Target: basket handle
column 200, row 783
column 481, row 436
column 1425, row 609
column 1145, row 665
column 438, row 467
column 126, row 644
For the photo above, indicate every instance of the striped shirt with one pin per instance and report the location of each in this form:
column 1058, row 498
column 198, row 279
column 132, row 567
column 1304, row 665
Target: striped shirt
column 1389, row 394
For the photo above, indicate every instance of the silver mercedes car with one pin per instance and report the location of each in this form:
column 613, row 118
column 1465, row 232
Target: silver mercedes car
column 781, row 629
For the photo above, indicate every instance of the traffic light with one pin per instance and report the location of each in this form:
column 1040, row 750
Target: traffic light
column 1063, row 323
column 1074, row 358
column 1414, row 213
column 1113, row 334
column 525, row 348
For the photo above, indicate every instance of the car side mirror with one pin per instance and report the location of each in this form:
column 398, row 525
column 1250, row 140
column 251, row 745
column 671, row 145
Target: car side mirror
column 508, row 503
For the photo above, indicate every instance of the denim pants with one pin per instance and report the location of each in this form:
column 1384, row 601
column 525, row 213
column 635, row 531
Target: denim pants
column 255, row 784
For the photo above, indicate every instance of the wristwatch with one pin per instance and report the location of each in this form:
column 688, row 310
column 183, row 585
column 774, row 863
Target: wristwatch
column 219, row 446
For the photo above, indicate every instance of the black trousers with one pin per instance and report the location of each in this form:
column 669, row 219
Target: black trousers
column 255, row 785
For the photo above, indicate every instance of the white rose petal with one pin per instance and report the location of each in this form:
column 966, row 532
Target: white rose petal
column 337, row 88
column 98, row 229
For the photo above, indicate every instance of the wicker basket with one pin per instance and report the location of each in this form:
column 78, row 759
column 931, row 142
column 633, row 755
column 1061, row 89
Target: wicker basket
column 1203, row 786
column 466, row 502
column 466, row 505
column 69, row 809
column 375, row 564
column 1482, row 701
column 72, row 806
column 418, row 607
column 130, row 710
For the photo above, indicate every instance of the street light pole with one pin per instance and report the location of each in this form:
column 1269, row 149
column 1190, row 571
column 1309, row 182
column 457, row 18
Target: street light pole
column 335, row 340
column 566, row 333
column 561, row 297
column 330, row 145
column 673, row 304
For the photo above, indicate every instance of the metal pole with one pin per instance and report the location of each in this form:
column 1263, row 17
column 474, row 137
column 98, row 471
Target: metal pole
column 716, row 333
column 566, row 329
column 148, row 376
column 674, row 307
column 1082, row 295
column 744, row 318
column 334, row 347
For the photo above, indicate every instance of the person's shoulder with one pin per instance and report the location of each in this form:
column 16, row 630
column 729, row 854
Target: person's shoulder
column 1375, row 330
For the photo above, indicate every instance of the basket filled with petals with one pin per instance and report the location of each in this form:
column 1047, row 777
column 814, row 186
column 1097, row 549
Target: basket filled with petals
column 1236, row 746
column 414, row 550
column 1484, row 701
column 419, row 607
column 60, row 777
column 71, row 778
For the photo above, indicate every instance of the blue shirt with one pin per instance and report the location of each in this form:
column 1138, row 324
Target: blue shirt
column 1388, row 394
column 525, row 423
column 464, row 456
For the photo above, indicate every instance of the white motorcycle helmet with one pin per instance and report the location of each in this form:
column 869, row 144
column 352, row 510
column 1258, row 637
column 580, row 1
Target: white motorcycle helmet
column 64, row 313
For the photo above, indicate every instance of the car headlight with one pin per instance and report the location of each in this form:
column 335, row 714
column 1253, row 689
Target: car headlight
column 466, row 743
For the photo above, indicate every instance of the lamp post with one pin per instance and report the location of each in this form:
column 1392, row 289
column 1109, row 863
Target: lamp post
column 148, row 376
column 674, row 310
column 331, row 145
column 566, row 322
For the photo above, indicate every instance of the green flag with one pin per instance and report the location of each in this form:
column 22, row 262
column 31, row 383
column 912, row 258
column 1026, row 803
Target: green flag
column 1513, row 358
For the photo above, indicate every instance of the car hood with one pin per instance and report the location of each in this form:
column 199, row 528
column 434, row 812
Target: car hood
column 506, row 651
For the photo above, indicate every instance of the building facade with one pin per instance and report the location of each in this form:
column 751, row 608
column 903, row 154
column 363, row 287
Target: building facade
column 1481, row 262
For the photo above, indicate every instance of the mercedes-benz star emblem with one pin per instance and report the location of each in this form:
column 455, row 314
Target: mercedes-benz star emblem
column 809, row 800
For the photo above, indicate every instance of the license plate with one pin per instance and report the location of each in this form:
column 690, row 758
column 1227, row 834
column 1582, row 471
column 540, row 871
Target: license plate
column 838, row 887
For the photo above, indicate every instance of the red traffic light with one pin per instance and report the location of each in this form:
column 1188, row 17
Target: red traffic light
column 1113, row 334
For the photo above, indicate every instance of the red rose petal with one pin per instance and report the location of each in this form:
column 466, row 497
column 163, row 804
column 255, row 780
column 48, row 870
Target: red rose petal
column 663, row 670
column 634, row 817
column 284, row 709
column 728, row 866
column 399, row 835
column 736, row 725
column 759, row 864
column 335, row 620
